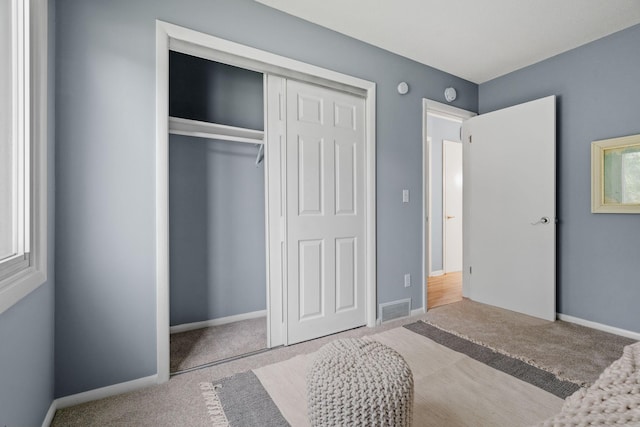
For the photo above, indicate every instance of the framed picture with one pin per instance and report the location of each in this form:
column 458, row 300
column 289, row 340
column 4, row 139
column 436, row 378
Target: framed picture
column 615, row 175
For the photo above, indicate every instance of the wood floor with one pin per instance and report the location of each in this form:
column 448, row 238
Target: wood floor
column 444, row 289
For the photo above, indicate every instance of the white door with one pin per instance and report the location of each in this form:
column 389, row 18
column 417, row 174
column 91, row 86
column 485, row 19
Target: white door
column 509, row 208
column 452, row 205
column 325, row 207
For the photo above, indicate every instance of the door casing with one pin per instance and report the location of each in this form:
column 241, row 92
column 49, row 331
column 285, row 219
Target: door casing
column 173, row 37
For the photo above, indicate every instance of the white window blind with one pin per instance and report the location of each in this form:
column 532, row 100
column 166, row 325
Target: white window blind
column 7, row 151
column 23, row 129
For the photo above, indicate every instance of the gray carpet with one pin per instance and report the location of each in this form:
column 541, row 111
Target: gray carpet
column 509, row 365
column 569, row 351
column 201, row 346
column 559, row 347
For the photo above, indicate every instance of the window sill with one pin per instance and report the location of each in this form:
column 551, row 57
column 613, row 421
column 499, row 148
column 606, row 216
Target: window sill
column 19, row 286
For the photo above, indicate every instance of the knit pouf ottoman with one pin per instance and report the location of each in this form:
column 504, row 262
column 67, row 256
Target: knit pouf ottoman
column 356, row 382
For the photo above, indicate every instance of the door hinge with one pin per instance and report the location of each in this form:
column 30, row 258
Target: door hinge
column 470, row 272
column 470, row 139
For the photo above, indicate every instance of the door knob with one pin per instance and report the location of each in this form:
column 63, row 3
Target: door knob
column 543, row 220
column 450, row 216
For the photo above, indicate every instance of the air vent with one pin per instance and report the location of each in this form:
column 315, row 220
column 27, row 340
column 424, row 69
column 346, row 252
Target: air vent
column 394, row 310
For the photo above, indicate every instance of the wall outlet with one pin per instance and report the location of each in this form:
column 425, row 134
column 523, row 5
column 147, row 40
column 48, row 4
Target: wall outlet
column 405, row 196
column 407, row 280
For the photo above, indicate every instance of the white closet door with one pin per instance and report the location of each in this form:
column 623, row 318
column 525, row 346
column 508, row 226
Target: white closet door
column 325, row 207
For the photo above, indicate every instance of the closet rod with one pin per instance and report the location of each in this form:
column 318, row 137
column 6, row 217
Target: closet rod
column 197, row 128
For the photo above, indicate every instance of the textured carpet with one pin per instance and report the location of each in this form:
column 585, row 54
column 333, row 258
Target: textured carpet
column 569, row 351
column 201, row 346
column 502, row 362
column 179, row 402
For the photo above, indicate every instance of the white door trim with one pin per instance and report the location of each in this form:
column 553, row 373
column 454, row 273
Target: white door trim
column 447, row 111
column 426, row 209
column 170, row 36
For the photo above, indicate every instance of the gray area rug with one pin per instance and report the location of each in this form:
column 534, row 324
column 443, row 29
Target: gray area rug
column 246, row 403
column 509, row 365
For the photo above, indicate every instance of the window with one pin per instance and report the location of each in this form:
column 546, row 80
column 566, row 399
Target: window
column 631, row 176
column 23, row 129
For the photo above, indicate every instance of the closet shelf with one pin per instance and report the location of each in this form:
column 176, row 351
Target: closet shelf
column 188, row 127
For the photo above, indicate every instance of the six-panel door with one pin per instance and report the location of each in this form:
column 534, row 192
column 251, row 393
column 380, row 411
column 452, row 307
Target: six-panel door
column 325, row 209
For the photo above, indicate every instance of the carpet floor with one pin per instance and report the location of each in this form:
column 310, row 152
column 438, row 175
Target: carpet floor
column 569, row 350
column 201, row 346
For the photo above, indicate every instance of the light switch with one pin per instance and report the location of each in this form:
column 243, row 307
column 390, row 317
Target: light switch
column 405, row 196
column 407, row 280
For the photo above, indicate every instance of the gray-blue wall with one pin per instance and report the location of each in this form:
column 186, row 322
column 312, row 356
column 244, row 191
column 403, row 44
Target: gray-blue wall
column 26, row 356
column 217, row 230
column 205, row 90
column 216, row 195
column 27, row 328
column 598, row 97
column 105, row 250
column 439, row 130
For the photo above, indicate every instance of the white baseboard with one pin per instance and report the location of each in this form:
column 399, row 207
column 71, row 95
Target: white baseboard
column 101, row 393
column 216, row 322
column 599, row 326
column 437, row 273
column 417, row 311
column 48, row 419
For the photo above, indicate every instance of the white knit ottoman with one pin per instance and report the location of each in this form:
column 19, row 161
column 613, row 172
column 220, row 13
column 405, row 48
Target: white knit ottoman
column 356, row 382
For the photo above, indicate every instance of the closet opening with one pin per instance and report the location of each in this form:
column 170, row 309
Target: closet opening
column 294, row 95
column 217, row 243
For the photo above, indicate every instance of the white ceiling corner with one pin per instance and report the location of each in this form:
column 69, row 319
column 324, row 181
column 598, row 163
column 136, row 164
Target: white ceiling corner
column 475, row 40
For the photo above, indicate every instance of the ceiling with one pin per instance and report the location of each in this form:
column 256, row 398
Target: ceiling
column 477, row 40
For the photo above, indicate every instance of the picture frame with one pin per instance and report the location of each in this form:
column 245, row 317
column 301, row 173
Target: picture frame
column 615, row 175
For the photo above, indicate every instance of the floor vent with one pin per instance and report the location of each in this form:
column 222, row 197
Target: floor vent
column 394, row 310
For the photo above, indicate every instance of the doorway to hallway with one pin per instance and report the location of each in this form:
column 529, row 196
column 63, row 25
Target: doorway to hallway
column 442, row 202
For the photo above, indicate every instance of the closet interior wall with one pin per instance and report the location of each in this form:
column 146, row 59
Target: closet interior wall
column 216, row 194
